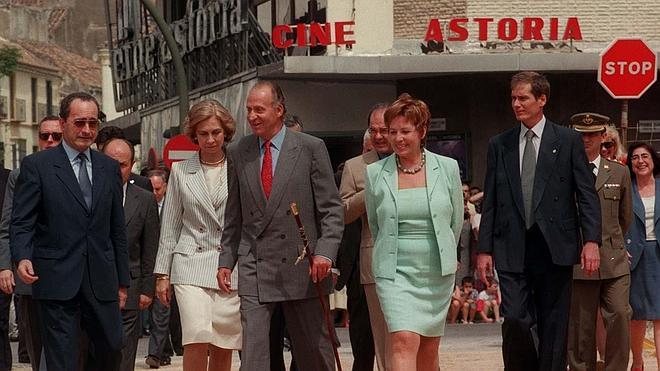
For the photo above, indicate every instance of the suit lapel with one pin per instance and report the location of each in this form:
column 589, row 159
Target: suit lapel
column 656, row 207
column 604, row 174
column 286, row 163
column 638, row 206
column 370, row 157
column 432, row 173
column 512, row 168
column 197, row 185
column 130, row 203
column 253, row 171
column 99, row 177
column 390, row 178
column 545, row 165
column 65, row 173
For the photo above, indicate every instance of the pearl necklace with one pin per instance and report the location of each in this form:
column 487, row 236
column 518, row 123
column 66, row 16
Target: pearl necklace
column 415, row 169
column 217, row 163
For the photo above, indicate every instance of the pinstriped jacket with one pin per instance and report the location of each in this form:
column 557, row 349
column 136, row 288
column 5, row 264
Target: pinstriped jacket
column 191, row 230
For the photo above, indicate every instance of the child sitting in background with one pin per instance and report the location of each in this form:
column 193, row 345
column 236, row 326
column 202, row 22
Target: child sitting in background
column 464, row 300
column 489, row 299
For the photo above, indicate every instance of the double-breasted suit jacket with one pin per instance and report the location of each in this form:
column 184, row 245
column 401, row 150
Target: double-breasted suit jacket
column 445, row 202
column 352, row 194
column 52, row 226
column 615, row 194
column 142, row 230
column 562, row 175
column 191, row 228
column 262, row 235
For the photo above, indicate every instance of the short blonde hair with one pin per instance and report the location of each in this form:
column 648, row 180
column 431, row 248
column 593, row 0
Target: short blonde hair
column 207, row 109
column 414, row 110
column 613, row 133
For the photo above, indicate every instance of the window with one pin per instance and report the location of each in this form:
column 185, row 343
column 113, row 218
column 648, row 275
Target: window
column 49, row 98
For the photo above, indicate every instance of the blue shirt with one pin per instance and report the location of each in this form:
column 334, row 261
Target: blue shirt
column 72, row 154
column 275, row 147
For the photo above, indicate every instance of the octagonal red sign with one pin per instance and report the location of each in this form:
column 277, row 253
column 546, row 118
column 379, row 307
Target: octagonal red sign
column 628, row 67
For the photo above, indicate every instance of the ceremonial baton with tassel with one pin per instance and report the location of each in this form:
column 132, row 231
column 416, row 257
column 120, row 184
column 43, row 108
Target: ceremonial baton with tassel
column 306, row 253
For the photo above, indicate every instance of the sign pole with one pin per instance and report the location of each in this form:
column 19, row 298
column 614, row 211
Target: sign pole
column 624, row 123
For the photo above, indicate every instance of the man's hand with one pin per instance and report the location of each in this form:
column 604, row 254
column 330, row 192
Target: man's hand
column 224, row 279
column 590, row 258
column 145, row 301
column 7, row 281
column 163, row 291
column 123, row 294
column 26, row 272
column 320, row 268
column 629, row 258
column 484, row 266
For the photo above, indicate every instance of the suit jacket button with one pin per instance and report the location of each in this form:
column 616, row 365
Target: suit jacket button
column 217, row 229
column 259, row 260
column 282, row 236
column 556, row 198
column 201, row 229
column 220, row 248
column 628, row 241
column 251, row 213
column 283, row 260
column 199, row 248
column 259, row 237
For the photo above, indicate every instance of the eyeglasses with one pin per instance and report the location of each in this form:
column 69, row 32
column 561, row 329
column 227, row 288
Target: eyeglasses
column 374, row 131
column 45, row 135
column 80, row 123
column 607, row 145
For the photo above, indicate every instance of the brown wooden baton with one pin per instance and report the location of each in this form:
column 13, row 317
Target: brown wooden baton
column 317, row 285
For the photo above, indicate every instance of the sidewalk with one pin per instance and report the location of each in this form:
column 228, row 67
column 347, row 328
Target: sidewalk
column 464, row 348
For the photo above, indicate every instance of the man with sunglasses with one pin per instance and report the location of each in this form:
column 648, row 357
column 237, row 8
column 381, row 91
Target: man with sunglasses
column 49, row 135
column 68, row 236
column 608, row 289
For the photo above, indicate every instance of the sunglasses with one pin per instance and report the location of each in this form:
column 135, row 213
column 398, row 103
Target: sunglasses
column 80, row 123
column 607, row 145
column 45, row 135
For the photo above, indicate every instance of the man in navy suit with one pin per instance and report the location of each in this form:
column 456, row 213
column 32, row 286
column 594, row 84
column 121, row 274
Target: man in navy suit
column 537, row 179
column 68, row 236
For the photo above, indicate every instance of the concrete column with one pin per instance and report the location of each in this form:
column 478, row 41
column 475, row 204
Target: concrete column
column 108, row 103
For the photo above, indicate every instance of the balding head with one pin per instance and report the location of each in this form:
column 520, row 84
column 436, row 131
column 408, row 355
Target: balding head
column 122, row 151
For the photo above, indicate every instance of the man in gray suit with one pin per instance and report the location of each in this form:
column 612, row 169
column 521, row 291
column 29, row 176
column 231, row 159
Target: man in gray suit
column 50, row 135
column 267, row 171
column 142, row 231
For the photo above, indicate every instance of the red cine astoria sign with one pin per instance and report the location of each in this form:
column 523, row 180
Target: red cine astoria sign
column 628, row 67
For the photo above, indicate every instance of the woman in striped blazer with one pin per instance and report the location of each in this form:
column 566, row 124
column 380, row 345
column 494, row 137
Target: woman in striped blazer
column 191, row 231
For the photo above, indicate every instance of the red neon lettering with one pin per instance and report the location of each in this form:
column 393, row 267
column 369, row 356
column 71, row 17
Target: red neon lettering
column 301, row 34
column 572, row 31
column 434, row 31
column 483, row 27
column 507, row 29
column 554, row 29
column 341, row 32
column 457, row 26
column 532, row 28
column 279, row 40
column 319, row 35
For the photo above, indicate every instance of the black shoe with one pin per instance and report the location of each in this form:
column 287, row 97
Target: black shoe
column 179, row 352
column 166, row 361
column 152, row 362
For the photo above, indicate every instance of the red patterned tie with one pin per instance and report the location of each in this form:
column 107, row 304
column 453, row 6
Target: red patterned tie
column 267, row 170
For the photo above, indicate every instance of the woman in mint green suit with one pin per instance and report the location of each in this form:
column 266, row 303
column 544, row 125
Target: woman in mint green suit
column 415, row 210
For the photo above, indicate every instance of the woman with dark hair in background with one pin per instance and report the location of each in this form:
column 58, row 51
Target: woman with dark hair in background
column 642, row 245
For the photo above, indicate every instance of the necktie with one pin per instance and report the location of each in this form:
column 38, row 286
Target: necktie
column 592, row 167
column 527, row 177
column 83, row 180
column 267, row 170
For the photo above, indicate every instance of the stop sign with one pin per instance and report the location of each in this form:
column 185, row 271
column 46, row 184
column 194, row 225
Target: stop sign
column 178, row 148
column 628, row 67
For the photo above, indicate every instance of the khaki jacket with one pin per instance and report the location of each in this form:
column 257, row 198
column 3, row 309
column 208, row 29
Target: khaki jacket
column 615, row 193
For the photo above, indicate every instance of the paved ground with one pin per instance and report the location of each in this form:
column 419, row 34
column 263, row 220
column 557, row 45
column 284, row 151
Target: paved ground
column 464, row 348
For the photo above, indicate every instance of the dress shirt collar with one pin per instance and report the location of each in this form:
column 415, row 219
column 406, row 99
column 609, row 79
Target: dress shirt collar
column 597, row 163
column 72, row 154
column 276, row 141
column 537, row 129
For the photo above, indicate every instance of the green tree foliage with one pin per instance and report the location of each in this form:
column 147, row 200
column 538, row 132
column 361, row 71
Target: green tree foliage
column 8, row 60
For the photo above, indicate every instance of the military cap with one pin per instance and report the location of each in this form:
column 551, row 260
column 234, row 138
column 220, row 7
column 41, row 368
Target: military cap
column 589, row 122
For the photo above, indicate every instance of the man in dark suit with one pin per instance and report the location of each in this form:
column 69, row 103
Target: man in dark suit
column 49, row 136
column 105, row 135
column 267, row 171
column 609, row 288
column 537, row 180
column 5, row 295
column 68, row 236
column 142, row 228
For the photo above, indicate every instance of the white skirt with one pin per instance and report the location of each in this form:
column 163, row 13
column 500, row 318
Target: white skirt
column 209, row 316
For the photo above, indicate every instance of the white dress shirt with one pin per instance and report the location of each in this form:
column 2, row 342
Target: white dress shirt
column 536, row 140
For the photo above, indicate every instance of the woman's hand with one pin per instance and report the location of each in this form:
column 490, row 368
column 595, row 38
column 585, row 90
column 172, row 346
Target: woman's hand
column 163, row 290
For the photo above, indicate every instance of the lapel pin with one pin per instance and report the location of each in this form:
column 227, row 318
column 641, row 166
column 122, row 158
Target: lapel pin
column 554, row 150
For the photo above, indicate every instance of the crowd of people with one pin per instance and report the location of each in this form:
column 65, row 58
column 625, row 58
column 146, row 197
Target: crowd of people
column 560, row 246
